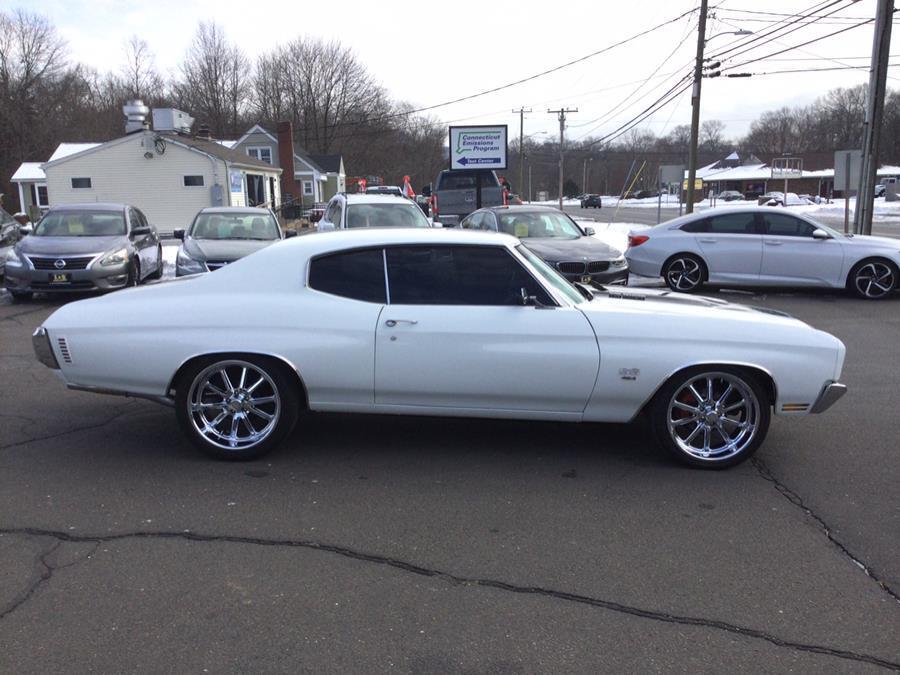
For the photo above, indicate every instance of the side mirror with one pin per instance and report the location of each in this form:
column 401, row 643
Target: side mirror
column 819, row 233
column 178, row 234
column 290, row 233
column 530, row 300
column 590, row 231
column 25, row 230
column 140, row 231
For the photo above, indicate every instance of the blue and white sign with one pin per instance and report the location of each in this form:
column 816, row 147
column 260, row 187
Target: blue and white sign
column 478, row 147
column 237, row 183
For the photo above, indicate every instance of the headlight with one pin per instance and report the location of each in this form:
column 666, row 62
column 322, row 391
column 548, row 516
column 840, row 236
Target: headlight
column 619, row 262
column 187, row 265
column 13, row 259
column 115, row 258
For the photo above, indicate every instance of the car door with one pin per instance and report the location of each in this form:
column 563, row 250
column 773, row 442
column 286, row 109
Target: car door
column 456, row 336
column 328, row 223
column 144, row 244
column 792, row 256
column 731, row 244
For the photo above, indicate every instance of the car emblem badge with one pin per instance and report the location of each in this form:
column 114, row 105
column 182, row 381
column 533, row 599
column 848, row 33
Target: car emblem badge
column 59, row 264
column 629, row 373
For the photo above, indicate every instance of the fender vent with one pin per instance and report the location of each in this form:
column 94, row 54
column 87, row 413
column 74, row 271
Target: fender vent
column 64, row 350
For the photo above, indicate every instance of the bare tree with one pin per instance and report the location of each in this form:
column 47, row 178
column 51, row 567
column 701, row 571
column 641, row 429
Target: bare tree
column 214, row 85
column 712, row 137
column 139, row 70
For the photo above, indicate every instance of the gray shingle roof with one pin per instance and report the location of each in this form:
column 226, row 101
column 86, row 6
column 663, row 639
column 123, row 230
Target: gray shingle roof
column 220, row 151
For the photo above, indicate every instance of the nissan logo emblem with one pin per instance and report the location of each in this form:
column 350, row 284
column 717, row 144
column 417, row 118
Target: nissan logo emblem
column 59, row 264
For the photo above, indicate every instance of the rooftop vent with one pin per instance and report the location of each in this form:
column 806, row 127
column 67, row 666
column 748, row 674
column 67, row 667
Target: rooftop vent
column 135, row 115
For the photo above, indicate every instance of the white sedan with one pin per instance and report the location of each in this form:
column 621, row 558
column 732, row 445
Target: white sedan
column 761, row 247
column 439, row 322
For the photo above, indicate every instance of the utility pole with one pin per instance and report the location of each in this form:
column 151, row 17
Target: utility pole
column 584, row 174
column 522, row 112
column 695, row 108
column 561, row 113
column 881, row 44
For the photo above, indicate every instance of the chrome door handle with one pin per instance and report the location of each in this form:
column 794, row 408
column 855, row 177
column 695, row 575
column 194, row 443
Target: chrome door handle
column 774, row 243
column 708, row 241
column 390, row 323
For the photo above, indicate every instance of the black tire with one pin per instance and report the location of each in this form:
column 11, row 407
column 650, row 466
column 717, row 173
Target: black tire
column 873, row 279
column 680, row 421
column 158, row 272
column 21, row 296
column 134, row 275
column 238, row 408
column 684, row 273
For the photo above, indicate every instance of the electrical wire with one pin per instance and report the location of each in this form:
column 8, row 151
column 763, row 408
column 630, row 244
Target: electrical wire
column 810, row 70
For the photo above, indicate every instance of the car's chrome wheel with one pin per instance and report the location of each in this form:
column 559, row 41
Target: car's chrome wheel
column 874, row 279
column 234, row 405
column 711, row 418
column 684, row 274
column 237, row 408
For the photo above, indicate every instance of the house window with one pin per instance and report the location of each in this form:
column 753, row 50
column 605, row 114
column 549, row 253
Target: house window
column 81, row 183
column 307, row 187
column 193, row 181
column 42, row 199
column 263, row 154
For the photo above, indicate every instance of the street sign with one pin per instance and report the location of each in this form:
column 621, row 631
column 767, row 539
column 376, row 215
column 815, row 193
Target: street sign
column 847, row 170
column 478, row 147
column 671, row 173
column 698, row 184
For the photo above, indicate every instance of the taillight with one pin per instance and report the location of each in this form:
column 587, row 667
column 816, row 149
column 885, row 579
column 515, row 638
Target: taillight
column 636, row 239
column 434, row 206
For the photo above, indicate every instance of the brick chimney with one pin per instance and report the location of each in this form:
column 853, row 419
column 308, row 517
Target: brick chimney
column 290, row 188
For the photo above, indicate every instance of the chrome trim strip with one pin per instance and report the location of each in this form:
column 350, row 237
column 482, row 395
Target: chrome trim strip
column 40, row 342
column 162, row 400
column 830, row 394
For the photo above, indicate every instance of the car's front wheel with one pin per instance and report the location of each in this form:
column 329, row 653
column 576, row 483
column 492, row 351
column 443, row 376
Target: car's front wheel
column 21, row 296
column 684, row 273
column 711, row 417
column 874, row 279
column 236, row 408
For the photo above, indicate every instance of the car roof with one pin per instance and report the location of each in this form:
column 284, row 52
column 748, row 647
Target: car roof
column 697, row 215
column 372, row 198
column 235, row 209
column 91, row 206
column 523, row 208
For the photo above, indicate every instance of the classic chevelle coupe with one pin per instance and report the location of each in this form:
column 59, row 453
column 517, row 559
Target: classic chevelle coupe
column 439, row 322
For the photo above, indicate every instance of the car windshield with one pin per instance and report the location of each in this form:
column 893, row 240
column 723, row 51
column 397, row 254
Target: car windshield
column 386, row 215
column 538, row 225
column 81, row 223
column 550, row 275
column 239, row 225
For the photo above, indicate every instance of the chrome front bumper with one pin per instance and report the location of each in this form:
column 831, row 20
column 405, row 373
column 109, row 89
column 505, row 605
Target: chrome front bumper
column 830, row 394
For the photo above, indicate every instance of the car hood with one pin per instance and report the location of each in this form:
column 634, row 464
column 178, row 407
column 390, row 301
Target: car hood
column 869, row 240
column 60, row 246
column 557, row 250
column 224, row 249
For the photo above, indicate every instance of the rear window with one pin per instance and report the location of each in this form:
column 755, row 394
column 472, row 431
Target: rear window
column 466, row 180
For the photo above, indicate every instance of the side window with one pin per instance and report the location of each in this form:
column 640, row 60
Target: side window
column 473, row 222
column 329, row 212
column 358, row 275
column 787, row 226
column 489, row 222
column 733, row 223
column 134, row 218
column 336, row 216
column 701, row 225
column 458, row 275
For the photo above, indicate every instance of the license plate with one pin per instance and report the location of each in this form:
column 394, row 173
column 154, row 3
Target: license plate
column 470, row 197
column 586, row 279
column 60, row 278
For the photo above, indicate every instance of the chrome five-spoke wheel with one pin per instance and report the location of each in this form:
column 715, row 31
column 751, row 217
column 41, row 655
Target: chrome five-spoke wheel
column 874, row 280
column 236, row 408
column 684, row 273
column 712, row 418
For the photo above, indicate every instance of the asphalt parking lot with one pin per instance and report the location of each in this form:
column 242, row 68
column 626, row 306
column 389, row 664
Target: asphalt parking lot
column 371, row 544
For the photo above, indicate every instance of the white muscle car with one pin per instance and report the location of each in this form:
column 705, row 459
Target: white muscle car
column 439, row 322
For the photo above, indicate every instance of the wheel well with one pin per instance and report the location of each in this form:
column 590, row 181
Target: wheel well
column 280, row 362
column 703, row 266
column 758, row 374
column 873, row 258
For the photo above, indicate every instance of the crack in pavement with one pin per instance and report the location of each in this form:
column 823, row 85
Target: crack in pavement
column 15, row 317
column 126, row 409
column 459, row 580
column 766, row 474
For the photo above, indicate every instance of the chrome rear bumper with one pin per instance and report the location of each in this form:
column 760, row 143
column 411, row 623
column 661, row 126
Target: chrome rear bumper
column 830, row 394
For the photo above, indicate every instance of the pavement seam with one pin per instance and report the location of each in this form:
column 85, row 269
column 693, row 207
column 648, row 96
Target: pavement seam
column 766, row 474
column 463, row 581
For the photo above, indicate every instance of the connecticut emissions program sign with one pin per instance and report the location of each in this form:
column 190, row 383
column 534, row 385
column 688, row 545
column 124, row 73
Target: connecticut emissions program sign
column 480, row 147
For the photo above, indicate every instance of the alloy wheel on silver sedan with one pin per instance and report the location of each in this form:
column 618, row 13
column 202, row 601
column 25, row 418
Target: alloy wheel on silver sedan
column 684, row 274
column 874, row 280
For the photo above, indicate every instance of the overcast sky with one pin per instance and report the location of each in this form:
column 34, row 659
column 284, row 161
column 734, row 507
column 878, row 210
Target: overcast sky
column 429, row 54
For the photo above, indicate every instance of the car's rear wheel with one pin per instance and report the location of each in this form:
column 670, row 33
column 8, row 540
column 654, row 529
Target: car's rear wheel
column 20, row 296
column 874, row 279
column 711, row 417
column 684, row 273
column 158, row 272
column 236, row 408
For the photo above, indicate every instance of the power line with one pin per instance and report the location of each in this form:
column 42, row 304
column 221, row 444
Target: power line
column 756, row 11
column 807, row 70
